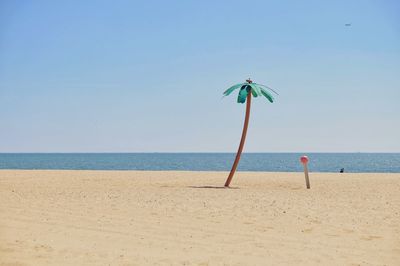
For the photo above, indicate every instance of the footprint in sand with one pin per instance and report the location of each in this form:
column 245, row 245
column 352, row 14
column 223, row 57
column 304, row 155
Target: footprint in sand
column 6, row 250
column 369, row 238
column 43, row 248
column 307, row 230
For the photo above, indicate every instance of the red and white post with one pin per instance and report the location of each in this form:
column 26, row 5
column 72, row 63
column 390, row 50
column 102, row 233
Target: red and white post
column 304, row 161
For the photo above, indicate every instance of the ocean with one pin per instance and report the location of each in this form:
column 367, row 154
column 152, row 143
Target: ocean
column 274, row 162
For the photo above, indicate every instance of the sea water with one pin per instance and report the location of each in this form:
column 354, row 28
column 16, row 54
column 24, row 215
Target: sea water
column 279, row 162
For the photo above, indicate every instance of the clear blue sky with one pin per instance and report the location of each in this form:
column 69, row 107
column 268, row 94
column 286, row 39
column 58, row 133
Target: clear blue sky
column 148, row 76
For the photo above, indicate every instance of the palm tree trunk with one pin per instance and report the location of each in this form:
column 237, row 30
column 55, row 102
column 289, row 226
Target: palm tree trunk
column 239, row 152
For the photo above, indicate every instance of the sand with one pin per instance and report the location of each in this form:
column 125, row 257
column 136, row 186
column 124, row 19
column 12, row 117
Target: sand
column 184, row 218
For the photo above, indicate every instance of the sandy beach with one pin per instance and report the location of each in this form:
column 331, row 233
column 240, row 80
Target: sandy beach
column 186, row 218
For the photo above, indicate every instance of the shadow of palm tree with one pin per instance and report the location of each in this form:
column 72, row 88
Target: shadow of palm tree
column 214, row 187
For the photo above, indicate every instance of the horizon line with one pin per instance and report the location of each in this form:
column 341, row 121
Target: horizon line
column 185, row 152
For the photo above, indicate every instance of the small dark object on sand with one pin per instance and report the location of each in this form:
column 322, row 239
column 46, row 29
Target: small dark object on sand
column 342, row 170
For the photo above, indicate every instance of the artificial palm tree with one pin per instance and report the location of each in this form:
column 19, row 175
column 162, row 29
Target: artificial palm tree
column 247, row 90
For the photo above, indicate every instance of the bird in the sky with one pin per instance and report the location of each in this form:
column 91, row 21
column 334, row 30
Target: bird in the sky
column 347, row 24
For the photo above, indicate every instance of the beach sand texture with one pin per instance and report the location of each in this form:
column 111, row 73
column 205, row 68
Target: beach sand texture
column 180, row 218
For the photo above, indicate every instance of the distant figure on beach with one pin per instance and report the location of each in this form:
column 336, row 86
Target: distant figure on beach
column 342, row 170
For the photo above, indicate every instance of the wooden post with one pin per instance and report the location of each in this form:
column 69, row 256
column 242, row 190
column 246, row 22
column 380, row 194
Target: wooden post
column 239, row 152
column 306, row 175
column 304, row 161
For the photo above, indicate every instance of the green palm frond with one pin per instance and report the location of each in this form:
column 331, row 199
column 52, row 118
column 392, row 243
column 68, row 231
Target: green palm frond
column 234, row 87
column 268, row 88
column 243, row 94
column 254, row 88
column 267, row 95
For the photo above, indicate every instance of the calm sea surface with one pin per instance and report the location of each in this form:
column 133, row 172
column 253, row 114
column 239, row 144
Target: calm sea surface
column 281, row 162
